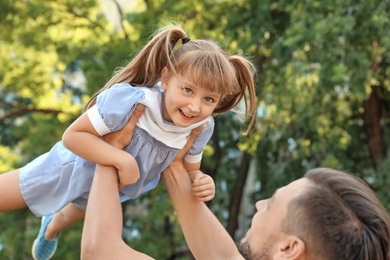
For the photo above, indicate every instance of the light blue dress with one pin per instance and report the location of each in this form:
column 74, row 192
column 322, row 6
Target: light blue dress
column 59, row 177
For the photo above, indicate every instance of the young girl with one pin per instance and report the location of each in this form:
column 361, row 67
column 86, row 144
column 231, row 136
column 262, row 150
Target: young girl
column 181, row 90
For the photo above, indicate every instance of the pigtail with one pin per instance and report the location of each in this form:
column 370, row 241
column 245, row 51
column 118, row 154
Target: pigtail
column 145, row 69
column 244, row 74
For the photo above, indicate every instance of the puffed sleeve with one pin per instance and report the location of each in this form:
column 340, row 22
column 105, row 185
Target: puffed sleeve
column 114, row 107
column 194, row 155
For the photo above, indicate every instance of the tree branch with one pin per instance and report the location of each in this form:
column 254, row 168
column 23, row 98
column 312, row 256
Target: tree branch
column 23, row 110
column 118, row 7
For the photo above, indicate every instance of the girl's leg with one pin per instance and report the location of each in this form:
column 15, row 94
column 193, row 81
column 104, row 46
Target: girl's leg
column 63, row 219
column 10, row 195
column 45, row 245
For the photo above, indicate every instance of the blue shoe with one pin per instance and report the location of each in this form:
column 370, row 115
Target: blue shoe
column 44, row 249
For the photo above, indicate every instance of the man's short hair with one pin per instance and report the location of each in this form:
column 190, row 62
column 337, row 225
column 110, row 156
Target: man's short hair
column 339, row 217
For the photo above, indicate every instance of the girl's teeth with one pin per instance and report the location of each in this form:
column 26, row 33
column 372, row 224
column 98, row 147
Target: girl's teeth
column 187, row 115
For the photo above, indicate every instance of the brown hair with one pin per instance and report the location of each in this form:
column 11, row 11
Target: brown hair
column 339, row 217
column 203, row 62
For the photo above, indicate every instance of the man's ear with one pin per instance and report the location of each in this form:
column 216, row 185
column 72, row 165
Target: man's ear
column 164, row 77
column 290, row 248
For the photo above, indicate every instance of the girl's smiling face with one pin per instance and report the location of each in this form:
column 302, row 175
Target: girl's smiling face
column 184, row 102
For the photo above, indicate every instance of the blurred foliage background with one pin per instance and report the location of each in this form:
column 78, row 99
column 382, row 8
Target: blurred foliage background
column 323, row 87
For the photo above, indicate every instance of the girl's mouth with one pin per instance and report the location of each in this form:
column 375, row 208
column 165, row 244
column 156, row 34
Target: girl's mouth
column 185, row 114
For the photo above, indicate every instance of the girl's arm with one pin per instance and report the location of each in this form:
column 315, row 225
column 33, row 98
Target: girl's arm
column 82, row 139
column 203, row 186
column 102, row 232
column 191, row 166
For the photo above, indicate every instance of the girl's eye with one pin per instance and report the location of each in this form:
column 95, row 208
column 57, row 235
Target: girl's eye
column 209, row 99
column 187, row 90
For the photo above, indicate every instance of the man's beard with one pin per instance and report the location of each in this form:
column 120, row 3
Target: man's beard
column 262, row 254
column 245, row 251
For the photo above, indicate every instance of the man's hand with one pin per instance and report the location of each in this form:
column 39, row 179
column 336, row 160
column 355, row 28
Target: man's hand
column 128, row 172
column 176, row 168
column 180, row 155
column 203, row 186
column 120, row 139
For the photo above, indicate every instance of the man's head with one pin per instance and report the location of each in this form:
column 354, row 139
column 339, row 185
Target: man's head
column 325, row 215
column 266, row 237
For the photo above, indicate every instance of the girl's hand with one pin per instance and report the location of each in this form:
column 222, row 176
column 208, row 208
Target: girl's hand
column 203, row 186
column 128, row 171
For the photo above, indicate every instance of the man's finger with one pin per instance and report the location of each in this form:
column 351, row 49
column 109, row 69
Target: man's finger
column 194, row 133
column 138, row 110
column 122, row 137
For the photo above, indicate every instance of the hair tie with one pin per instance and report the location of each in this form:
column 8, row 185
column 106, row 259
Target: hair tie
column 185, row 40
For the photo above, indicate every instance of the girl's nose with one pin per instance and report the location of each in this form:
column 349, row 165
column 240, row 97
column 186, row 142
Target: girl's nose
column 194, row 106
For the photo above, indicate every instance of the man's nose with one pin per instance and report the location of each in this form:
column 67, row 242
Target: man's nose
column 260, row 204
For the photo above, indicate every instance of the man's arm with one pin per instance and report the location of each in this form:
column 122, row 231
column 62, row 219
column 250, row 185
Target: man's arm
column 102, row 233
column 205, row 235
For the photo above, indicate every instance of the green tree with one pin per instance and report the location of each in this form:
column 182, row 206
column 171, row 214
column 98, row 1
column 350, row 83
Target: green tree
column 324, row 87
